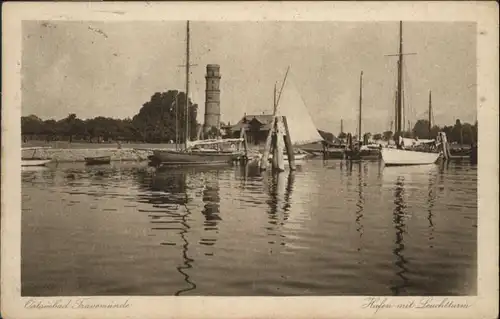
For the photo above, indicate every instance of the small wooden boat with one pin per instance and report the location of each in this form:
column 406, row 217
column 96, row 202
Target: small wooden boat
column 98, row 160
column 34, row 161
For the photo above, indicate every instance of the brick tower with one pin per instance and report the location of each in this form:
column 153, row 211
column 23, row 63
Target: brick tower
column 212, row 98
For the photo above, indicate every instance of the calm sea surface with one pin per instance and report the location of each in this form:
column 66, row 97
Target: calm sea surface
column 330, row 228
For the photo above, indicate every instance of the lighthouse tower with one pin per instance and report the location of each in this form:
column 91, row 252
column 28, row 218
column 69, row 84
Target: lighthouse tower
column 212, row 98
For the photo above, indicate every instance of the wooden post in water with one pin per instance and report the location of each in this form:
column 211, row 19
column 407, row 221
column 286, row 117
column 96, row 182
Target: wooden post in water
column 278, row 160
column 274, row 150
column 268, row 148
column 245, row 144
column 288, row 145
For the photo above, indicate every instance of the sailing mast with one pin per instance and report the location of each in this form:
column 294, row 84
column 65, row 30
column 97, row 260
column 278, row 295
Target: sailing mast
column 187, row 86
column 430, row 113
column 400, row 81
column 360, row 138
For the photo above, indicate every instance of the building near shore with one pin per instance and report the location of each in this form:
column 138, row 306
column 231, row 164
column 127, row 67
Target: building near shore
column 256, row 128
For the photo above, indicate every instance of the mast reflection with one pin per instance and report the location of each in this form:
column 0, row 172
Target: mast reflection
column 360, row 203
column 399, row 214
column 431, row 198
column 167, row 190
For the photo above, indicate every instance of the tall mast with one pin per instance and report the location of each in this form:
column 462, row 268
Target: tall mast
column 430, row 113
column 395, row 111
column 187, row 85
column 360, row 138
column 176, row 121
column 275, row 98
column 400, row 80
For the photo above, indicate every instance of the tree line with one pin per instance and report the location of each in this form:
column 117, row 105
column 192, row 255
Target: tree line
column 154, row 123
column 461, row 133
column 164, row 114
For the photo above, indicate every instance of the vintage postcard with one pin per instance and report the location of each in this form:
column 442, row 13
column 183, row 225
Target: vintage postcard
column 249, row 159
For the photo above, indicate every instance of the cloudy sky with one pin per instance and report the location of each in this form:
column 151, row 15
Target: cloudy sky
column 112, row 68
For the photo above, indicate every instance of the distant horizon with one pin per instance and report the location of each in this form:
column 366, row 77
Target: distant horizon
column 110, row 69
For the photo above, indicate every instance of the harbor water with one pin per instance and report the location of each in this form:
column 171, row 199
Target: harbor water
column 329, row 228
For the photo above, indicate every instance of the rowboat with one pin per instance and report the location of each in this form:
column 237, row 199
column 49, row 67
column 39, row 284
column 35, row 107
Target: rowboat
column 34, row 161
column 98, row 160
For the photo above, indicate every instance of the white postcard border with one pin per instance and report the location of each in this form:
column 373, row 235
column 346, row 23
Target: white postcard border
column 482, row 305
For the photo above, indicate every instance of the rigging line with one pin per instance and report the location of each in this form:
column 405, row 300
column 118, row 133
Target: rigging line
column 409, row 110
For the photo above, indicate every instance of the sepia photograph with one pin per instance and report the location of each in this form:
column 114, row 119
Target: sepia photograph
column 252, row 158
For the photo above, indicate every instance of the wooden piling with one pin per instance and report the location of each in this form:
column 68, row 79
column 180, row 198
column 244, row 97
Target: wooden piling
column 274, row 152
column 264, row 162
column 245, row 146
column 279, row 164
column 288, row 145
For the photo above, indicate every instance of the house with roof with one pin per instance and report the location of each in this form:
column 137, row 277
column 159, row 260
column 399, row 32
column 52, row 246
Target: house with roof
column 256, row 128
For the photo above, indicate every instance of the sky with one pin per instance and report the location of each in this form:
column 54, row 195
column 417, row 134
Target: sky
column 112, row 68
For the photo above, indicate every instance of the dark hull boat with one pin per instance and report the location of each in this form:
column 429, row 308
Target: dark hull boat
column 363, row 154
column 100, row 160
column 194, row 157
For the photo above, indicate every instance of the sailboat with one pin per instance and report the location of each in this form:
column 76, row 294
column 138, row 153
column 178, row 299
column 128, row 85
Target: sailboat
column 302, row 130
column 200, row 152
column 405, row 154
column 362, row 151
column 34, row 161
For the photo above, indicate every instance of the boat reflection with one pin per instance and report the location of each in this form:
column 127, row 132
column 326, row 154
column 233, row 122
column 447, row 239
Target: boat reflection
column 173, row 191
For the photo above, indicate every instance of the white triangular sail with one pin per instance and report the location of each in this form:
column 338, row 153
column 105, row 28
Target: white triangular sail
column 300, row 124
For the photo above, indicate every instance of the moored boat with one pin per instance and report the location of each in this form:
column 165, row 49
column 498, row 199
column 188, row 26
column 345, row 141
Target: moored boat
column 34, row 161
column 408, row 151
column 98, row 160
column 200, row 152
column 400, row 157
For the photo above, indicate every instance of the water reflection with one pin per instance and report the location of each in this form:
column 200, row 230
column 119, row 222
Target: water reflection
column 399, row 215
column 167, row 191
column 275, row 183
column 279, row 202
column 174, row 221
column 186, row 260
column 431, row 198
column 360, row 202
column 288, row 193
column 211, row 208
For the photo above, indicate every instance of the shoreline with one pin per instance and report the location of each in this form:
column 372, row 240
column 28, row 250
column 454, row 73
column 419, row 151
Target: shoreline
column 69, row 155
